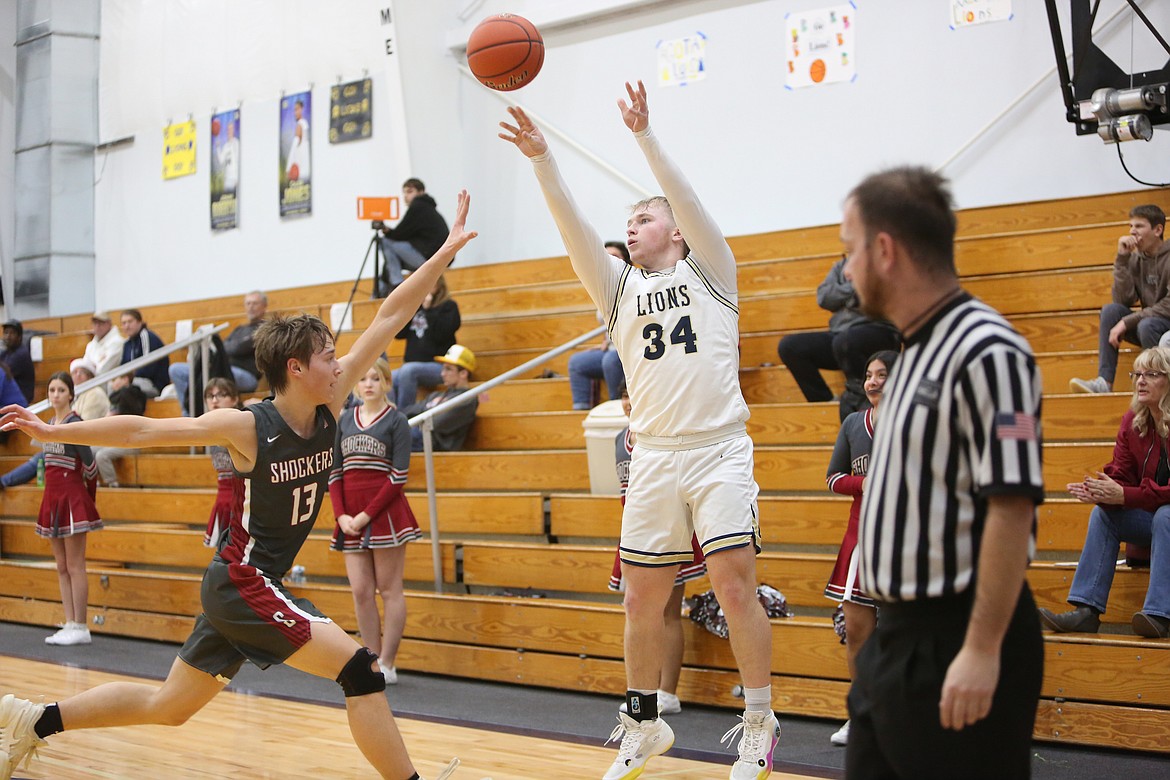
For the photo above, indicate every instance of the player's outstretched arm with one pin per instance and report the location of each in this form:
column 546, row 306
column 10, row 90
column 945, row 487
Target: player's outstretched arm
column 230, row 428
column 704, row 237
column 401, row 304
column 596, row 269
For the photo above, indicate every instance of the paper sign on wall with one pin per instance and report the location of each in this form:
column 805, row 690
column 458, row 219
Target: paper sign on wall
column 682, row 60
column 179, row 149
column 965, row 13
column 820, row 44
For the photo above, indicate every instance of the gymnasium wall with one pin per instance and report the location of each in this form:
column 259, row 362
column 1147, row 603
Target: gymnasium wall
column 7, row 141
column 763, row 157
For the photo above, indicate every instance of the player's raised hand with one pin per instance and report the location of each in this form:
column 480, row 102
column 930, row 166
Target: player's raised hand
column 524, row 134
column 460, row 235
column 17, row 418
column 636, row 114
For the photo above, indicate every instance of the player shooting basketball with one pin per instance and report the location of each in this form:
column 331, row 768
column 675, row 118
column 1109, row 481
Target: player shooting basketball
column 675, row 322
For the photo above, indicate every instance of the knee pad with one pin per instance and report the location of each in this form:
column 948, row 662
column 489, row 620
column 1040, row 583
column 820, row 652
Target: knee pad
column 357, row 678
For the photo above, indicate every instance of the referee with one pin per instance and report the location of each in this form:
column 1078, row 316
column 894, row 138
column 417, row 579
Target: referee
column 948, row 684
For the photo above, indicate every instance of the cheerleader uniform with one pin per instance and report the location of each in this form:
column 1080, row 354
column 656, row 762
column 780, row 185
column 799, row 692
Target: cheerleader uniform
column 693, row 570
column 847, row 469
column 229, row 496
column 369, row 473
column 70, row 486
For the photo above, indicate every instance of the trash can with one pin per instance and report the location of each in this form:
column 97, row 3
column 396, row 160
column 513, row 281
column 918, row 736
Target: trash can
column 602, row 425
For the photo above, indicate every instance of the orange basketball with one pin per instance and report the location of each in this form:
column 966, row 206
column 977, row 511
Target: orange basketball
column 215, row 127
column 505, row 52
column 816, row 71
column 294, row 172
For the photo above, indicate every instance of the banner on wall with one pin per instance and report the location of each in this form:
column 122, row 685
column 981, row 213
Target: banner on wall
column 225, row 169
column 682, row 60
column 296, row 183
column 820, row 45
column 179, row 149
column 351, row 116
column 966, row 13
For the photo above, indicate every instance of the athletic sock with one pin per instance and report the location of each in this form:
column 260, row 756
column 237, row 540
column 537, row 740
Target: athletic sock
column 758, row 699
column 642, row 705
column 49, row 722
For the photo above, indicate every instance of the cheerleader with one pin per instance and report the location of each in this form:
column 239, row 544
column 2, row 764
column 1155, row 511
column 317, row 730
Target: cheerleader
column 229, row 498
column 847, row 473
column 374, row 521
column 68, row 513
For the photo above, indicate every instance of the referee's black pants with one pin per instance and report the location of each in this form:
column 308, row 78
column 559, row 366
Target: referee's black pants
column 893, row 704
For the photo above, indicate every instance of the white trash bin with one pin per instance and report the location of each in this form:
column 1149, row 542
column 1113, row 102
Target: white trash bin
column 602, row 425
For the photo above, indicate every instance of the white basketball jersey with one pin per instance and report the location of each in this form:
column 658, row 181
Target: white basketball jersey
column 678, row 338
column 677, row 331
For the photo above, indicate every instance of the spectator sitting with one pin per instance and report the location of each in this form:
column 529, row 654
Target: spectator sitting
column 9, row 391
column 9, row 394
column 430, row 334
column 125, row 398
column 241, row 353
column 18, row 359
column 92, row 404
column 140, row 340
column 418, row 235
column 104, row 350
column 1132, row 504
column 452, row 425
column 592, row 364
column 845, row 346
column 1141, row 275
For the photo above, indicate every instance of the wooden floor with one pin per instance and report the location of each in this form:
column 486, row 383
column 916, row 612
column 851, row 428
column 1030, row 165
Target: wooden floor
column 248, row 736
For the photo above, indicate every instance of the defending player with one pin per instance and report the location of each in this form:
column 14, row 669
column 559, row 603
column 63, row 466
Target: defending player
column 284, row 447
column 675, row 322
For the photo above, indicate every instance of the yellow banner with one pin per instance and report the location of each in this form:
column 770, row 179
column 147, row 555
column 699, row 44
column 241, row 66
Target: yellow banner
column 179, row 150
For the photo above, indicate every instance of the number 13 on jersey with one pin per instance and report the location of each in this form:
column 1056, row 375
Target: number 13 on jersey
column 681, row 334
column 304, row 502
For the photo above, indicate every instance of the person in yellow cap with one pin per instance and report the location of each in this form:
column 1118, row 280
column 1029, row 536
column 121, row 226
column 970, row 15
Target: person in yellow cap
column 451, row 426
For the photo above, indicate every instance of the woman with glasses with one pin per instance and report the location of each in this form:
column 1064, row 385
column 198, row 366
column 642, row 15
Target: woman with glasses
column 221, row 393
column 1132, row 504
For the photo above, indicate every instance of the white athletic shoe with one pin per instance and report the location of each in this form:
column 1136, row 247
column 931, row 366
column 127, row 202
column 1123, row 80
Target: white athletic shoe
column 668, row 704
column 72, row 634
column 18, row 739
column 390, row 673
column 55, row 638
column 841, row 736
column 642, row 741
column 1096, row 385
column 761, row 734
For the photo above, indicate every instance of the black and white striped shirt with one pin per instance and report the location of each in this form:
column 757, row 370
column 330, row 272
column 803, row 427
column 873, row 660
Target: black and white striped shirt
column 960, row 422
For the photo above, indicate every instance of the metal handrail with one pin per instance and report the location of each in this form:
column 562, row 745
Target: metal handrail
column 203, row 334
column 426, row 420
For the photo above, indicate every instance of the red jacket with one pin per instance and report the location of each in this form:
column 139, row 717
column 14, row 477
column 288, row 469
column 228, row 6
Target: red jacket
column 1135, row 466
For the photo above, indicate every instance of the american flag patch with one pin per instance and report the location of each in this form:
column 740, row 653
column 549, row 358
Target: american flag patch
column 1015, row 425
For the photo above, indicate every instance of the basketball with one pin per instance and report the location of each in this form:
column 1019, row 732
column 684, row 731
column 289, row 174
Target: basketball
column 505, row 52
column 215, row 127
column 294, row 172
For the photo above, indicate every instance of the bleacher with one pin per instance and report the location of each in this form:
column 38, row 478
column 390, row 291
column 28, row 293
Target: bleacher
column 517, row 519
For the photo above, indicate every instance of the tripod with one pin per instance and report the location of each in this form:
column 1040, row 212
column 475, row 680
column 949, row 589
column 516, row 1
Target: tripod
column 375, row 246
